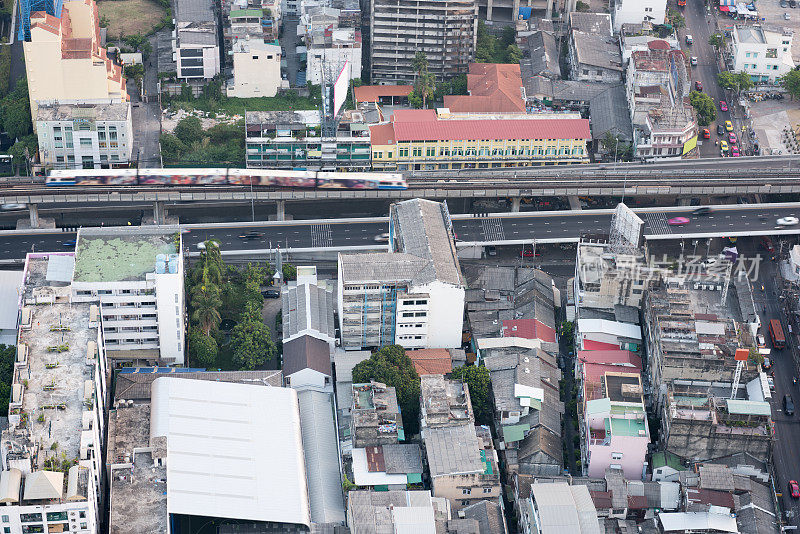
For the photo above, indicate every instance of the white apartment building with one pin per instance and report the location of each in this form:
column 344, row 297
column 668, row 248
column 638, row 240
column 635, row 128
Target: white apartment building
column 195, row 41
column 137, row 277
column 86, row 135
column 412, row 295
column 637, row 11
column 52, row 472
column 256, row 68
column 763, row 54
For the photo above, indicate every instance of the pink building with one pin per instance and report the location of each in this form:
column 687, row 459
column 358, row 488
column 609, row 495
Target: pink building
column 615, row 421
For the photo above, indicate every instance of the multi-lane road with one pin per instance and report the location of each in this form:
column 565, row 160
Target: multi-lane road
column 543, row 227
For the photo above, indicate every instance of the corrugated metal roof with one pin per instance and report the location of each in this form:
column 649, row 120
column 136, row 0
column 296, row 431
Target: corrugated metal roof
column 748, row 407
column 453, row 450
column 320, row 446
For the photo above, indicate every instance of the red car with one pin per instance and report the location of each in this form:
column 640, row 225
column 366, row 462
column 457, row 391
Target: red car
column 794, row 489
column 528, row 254
column 706, row 134
column 698, row 86
column 735, row 152
column 678, row 221
column 732, row 138
column 723, row 106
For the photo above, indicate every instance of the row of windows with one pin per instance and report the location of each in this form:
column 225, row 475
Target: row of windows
column 415, row 314
column 468, row 491
column 447, row 152
column 409, row 337
column 413, row 302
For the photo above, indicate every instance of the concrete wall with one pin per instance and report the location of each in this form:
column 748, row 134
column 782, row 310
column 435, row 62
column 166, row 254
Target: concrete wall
column 635, row 11
column 451, row 487
column 256, row 72
column 309, row 379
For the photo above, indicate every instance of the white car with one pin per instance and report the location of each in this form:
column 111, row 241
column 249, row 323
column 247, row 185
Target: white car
column 761, row 341
column 694, row 61
column 788, row 221
column 382, row 238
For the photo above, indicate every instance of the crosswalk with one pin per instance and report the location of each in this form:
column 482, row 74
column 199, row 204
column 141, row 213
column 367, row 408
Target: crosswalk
column 321, row 235
column 657, row 223
column 493, row 229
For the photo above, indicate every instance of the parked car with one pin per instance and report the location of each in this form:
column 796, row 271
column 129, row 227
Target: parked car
column 787, row 221
column 767, row 365
column 762, row 342
column 771, row 383
column 698, row 85
column 794, row 489
column 788, row 405
column 784, row 4
column 491, row 250
column 271, row 294
column 723, row 106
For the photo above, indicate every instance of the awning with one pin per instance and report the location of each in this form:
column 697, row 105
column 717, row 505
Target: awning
column 44, row 485
column 724, row 8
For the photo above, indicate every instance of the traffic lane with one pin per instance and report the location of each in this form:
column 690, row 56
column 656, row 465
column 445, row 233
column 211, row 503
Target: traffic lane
column 786, row 452
column 15, row 247
column 332, row 234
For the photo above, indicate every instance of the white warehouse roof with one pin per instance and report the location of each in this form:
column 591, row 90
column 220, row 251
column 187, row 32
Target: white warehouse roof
column 233, row 450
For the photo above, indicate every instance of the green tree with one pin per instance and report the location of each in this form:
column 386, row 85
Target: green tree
column 616, row 147
column 15, row 111
column 289, row 272
column 206, row 303
column 582, row 6
column 479, row 381
column 414, row 100
column 203, row 349
column 253, row 345
column 716, row 40
column 8, row 355
column 791, row 82
column 172, row 148
column 189, row 130
column 513, row 54
column 706, row 110
column 735, row 81
column 134, row 71
column 424, row 82
column 139, row 43
column 392, row 366
column 675, row 19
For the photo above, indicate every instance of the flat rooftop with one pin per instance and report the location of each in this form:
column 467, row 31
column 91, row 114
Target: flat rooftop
column 95, row 112
column 111, row 255
column 626, row 427
column 138, row 500
column 54, row 383
column 751, row 35
column 623, row 387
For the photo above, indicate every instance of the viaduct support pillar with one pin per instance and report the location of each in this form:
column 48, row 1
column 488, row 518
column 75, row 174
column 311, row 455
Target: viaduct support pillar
column 281, row 215
column 34, row 212
column 159, row 213
column 515, row 202
column 574, row 202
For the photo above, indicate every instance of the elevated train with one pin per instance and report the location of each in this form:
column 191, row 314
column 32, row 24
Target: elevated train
column 245, row 177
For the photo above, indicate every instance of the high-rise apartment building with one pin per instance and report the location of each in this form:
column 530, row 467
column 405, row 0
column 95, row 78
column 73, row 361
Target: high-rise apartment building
column 64, row 60
column 445, row 30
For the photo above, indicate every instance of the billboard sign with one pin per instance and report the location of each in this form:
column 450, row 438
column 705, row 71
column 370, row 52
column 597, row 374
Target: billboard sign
column 340, row 88
column 626, row 229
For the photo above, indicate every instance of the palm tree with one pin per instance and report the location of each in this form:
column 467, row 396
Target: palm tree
column 205, row 303
column 424, row 83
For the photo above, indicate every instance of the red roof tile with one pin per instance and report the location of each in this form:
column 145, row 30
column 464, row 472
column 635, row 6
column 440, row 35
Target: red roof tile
column 382, row 134
column 411, row 115
column 493, row 88
column 707, row 496
column 621, row 358
column 371, row 93
column 637, row 502
column 431, row 361
column 528, row 329
column 601, row 499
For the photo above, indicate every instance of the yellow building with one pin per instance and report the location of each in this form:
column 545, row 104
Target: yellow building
column 427, row 140
column 64, row 60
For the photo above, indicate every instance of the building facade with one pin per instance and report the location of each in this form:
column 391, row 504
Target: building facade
column 84, row 136
column 412, row 296
column 431, row 140
column 765, row 55
column 196, row 41
column 329, row 51
column 446, row 31
column 64, row 61
column 256, row 68
column 138, row 281
column 637, row 11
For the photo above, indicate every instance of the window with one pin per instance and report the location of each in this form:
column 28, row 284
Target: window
column 430, row 152
column 6, row 530
column 417, row 151
column 466, row 491
column 60, row 159
column 487, row 490
column 464, row 503
column 255, row 57
column 616, row 456
column 404, row 152
column 420, row 302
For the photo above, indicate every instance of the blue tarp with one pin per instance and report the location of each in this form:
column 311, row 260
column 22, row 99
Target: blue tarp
column 525, row 12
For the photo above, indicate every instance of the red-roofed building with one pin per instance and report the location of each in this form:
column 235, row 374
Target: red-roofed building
column 383, row 94
column 588, row 344
column 621, row 358
column 528, row 329
column 493, row 88
column 423, row 139
column 431, row 361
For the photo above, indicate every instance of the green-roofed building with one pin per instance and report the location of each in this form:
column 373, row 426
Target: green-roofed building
column 666, row 466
